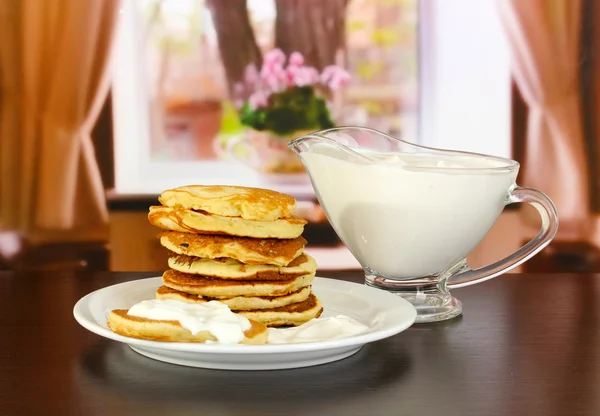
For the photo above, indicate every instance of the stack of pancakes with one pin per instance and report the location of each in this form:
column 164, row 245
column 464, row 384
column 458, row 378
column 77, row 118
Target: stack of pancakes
column 240, row 246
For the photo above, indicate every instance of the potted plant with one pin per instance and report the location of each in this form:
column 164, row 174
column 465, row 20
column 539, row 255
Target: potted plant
column 285, row 99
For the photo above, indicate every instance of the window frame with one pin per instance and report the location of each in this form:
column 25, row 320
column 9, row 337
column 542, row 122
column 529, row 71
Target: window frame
column 135, row 172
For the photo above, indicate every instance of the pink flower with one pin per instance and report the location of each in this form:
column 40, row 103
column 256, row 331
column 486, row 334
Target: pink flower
column 327, row 73
column 296, row 59
column 274, row 57
column 258, row 99
column 274, row 77
column 335, row 77
column 302, row 76
column 340, row 81
column 291, row 74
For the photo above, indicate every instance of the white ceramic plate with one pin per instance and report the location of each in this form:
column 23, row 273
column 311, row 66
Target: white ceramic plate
column 384, row 313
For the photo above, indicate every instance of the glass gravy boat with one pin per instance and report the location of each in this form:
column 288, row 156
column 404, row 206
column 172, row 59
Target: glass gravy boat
column 411, row 214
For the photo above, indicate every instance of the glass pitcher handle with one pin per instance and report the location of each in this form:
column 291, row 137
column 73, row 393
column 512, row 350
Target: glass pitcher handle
column 549, row 228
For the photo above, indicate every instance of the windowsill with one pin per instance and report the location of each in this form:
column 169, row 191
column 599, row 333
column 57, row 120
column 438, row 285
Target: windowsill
column 117, row 201
column 317, row 231
column 141, row 201
column 130, row 201
column 334, row 258
column 151, row 178
column 324, row 245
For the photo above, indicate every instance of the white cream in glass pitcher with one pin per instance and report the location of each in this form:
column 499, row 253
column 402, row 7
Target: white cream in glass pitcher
column 411, row 214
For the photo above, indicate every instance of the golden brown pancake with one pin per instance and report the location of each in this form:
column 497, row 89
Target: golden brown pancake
column 233, row 269
column 276, row 251
column 238, row 303
column 290, row 315
column 227, row 288
column 172, row 331
column 202, row 222
column 231, row 201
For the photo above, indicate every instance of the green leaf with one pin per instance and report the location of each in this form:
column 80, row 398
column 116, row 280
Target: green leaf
column 230, row 121
column 289, row 111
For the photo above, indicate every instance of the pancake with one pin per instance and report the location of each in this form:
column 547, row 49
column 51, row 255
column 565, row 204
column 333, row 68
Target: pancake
column 290, row 315
column 233, row 269
column 238, row 303
column 172, row 331
column 201, row 222
column 224, row 288
column 231, row 201
column 279, row 252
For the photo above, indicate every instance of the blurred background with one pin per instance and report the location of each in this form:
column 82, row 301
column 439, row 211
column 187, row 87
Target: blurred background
column 105, row 103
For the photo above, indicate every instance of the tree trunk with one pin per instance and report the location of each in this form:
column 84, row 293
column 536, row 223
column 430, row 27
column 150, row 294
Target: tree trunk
column 315, row 28
column 237, row 44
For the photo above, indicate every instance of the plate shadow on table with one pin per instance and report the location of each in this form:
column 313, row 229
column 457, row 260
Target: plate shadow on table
column 117, row 369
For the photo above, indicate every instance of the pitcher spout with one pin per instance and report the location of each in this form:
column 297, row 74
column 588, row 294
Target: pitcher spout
column 328, row 142
column 304, row 143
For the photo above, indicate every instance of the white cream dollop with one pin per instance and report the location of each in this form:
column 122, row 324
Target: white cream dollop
column 214, row 317
column 318, row 329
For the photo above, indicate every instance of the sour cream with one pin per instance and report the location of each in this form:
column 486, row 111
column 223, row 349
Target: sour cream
column 213, row 317
column 319, row 329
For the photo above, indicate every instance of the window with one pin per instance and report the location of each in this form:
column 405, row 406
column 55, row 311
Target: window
column 431, row 72
column 465, row 82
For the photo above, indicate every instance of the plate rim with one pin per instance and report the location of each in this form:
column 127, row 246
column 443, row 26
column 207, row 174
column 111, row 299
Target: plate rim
column 241, row 349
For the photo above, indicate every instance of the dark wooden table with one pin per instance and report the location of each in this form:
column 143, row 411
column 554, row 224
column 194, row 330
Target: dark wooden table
column 525, row 345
